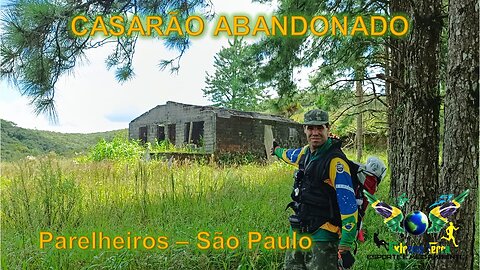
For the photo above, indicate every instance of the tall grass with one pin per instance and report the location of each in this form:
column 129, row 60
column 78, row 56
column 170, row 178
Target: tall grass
column 155, row 198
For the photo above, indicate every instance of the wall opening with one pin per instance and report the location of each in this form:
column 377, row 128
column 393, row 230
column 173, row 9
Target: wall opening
column 292, row 134
column 160, row 133
column 171, row 133
column 194, row 133
column 142, row 134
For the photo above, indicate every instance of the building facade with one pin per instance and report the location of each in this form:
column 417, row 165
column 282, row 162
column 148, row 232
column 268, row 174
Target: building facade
column 216, row 130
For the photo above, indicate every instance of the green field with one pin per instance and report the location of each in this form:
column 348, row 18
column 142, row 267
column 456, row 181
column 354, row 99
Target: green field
column 156, row 198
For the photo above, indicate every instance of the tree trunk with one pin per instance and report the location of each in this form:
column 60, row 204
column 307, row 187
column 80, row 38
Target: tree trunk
column 359, row 134
column 460, row 151
column 414, row 105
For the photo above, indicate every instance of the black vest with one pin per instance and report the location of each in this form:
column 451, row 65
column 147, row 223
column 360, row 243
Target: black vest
column 315, row 202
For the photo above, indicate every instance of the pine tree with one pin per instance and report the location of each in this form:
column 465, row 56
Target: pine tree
column 37, row 46
column 235, row 84
column 414, row 106
column 459, row 169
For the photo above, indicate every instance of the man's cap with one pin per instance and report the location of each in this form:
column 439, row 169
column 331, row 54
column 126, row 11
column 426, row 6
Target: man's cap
column 315, row 118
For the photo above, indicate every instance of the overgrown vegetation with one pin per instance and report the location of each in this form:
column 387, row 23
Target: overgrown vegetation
column 18, row 143
column 155, row 198
column 166, row 146
column 122, row 149
column 119, row 149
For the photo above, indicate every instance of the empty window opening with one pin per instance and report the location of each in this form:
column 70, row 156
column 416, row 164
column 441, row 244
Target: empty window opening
column 171, row 133
column 194, row 133
column 292, row 134
column 142, row 134
column 160, row 133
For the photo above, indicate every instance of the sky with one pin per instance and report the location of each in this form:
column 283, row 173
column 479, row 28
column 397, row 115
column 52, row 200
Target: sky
column 91, row 100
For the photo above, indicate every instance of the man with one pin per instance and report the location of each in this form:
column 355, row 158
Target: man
column 323, row 198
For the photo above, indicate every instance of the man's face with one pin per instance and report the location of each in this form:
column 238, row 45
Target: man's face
column 316, row 135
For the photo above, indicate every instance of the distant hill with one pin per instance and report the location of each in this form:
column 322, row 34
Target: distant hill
column 17, row 142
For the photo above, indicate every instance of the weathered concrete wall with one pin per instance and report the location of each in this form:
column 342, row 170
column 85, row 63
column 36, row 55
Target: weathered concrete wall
column 224, row 131
column 246, row 135
column 289, row 135
column 178, row 114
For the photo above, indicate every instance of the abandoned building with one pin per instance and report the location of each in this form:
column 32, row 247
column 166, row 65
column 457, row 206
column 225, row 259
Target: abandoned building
column 216, row 130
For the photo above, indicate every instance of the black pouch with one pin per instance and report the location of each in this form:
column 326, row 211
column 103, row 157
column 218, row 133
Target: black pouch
column 303, row 226
column 311, row 225
column 295, row 222
column 297, row 184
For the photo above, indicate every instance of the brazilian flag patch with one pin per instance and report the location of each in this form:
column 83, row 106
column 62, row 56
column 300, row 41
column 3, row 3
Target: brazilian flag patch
column 349, row 226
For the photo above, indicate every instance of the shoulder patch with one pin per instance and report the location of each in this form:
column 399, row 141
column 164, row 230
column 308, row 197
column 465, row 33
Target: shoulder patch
column 349, row 226
column 339, row 167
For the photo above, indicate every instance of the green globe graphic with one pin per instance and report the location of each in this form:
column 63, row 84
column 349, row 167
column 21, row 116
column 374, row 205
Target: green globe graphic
column 415, row 223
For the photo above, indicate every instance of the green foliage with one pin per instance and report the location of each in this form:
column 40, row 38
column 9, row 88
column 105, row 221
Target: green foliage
column 235, row 83
column 335, row 58
column 37, row 46
column 17, row 142
column 345, row 126
column 119, row 149
column 56, row 203
column 233, row 159
column 331, row 100
column 166, row 146
column 339, row 62
column 161, row 146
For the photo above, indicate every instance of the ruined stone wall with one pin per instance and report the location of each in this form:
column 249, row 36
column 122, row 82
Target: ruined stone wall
column 178, row 114
column 246, row 135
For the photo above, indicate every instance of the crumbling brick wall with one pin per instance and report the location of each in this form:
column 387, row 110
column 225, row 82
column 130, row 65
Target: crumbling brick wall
column 245, row 135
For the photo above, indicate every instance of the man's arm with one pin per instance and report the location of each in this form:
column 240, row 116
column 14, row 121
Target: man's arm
column 290, row 156
column 339, row 173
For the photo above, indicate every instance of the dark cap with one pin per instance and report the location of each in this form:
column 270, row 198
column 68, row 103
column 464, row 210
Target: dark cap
column 316, row 118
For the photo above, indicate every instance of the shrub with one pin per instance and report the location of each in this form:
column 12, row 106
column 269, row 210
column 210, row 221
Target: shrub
column 119, row 149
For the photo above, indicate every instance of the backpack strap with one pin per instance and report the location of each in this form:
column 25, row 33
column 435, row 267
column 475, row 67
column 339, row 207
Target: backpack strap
column 324, row 164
